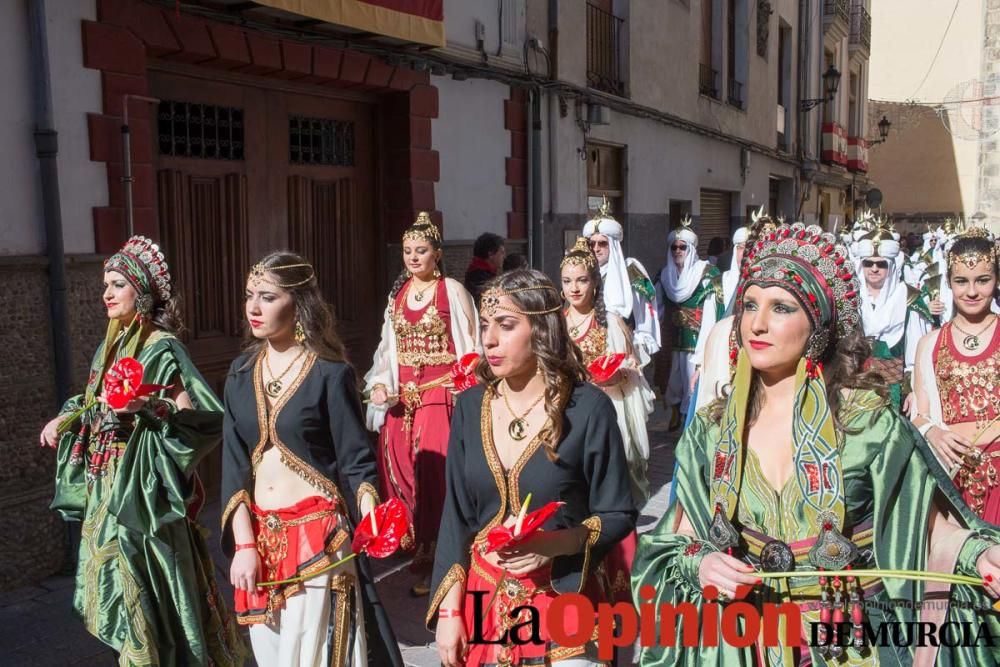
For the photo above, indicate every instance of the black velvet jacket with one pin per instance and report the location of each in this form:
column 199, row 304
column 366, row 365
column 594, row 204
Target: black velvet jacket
column 590, row 476
column 318, row 427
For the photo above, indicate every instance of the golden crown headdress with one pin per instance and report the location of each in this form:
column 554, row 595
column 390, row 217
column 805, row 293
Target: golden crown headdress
column 580, row 254
column 423, row 229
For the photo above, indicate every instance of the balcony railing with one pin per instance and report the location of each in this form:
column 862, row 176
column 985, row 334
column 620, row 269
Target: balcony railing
column 861, row 27
column 708, row 81
column 605, row 49
column 836, row 9
column 735, row 97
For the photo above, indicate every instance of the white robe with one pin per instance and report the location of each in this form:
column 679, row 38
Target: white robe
column 633, row 401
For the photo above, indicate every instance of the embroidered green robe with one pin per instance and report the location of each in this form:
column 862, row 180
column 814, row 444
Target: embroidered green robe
column 890, row 477
column 687, row 316
column 145, row 583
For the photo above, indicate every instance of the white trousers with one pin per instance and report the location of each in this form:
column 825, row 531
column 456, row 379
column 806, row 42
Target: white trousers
column 679, row 383
column 302, row 632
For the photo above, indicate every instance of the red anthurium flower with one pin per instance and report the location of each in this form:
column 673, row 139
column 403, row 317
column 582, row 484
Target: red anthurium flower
column 123, row 383
column 602, row 368
column 527, row 524
column 380, row 532
column 463, row 372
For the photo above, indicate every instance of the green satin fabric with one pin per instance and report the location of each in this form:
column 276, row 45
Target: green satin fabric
column 888, row 481
column 144, row 583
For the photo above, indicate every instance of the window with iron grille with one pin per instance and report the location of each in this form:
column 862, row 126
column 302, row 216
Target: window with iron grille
column 189, row 129
column 320, row 141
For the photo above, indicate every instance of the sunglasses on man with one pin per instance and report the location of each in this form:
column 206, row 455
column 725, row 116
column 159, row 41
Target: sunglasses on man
column 678, row 248
column 875, row 264
column 598, row 244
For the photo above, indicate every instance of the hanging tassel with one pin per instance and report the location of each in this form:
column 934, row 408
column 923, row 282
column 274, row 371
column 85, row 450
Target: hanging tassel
column 857, row 611
column 838, row 617
column 825, row 610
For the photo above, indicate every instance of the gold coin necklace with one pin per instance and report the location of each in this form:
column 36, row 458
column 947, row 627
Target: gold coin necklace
column 574, row 329
column 420, row 292
column 971, row 341
column 518, row 427
column 274, row 386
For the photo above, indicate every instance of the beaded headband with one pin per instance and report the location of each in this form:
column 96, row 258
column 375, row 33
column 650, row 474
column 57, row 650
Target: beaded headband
column 580, row 254
column 145, row 268
column 811, row 264
column 258, row 275
column 423, row 229
column 970, row 259
column 490, row 301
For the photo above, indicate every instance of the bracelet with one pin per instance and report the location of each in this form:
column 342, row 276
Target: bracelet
column 449, row 613
column 248, row 545
column 924, row 428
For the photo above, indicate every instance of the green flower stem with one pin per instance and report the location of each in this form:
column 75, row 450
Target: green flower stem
column 70, row 419
column 912, row 575
column 307, row 577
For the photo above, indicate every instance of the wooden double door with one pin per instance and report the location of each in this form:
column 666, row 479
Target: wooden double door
column 245, row 169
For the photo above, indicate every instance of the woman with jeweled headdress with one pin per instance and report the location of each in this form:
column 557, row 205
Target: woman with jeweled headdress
column 298, row 473
column 803, row 468
column 145, row 582
column 599, row 333
column 429, row 324
column 533, row 433
column 957, row 377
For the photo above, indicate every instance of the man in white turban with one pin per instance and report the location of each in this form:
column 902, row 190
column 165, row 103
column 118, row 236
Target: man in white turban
column 690, row 292
column 628, row 292
column 894, row 314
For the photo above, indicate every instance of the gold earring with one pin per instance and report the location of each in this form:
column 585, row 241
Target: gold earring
column 300, row 332
column 437, row 274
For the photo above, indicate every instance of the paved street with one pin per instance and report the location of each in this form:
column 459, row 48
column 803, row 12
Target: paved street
column 40, row 630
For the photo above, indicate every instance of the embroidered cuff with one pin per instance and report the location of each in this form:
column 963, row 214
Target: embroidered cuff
column 689, row 561
column 593, row 525
column 973, row 548
column 456, row 575
column 158, row 411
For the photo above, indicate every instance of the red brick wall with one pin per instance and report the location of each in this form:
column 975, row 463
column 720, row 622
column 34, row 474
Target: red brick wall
column 130, row 32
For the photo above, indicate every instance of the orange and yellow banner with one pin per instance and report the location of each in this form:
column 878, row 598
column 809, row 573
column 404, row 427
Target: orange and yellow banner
column 420, row 21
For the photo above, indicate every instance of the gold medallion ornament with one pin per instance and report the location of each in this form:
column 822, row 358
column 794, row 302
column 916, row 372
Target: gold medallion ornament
column 419, row 296
column 518, row 427
column 275, row 385
column 971, row 341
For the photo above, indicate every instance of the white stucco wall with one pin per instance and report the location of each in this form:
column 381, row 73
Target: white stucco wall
column 473, row 145
column 75, row 91
column 20, row 232
column 664, row 163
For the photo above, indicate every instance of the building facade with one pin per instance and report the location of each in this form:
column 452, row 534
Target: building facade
column 326, row 127
column 941, row 160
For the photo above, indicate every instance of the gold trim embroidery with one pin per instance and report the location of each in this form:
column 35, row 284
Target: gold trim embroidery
column 454, row 575
column 267, row 424
column 593, row 524
column 507, row 483
column 367, row 487
column 341, row 585
column 240, row 496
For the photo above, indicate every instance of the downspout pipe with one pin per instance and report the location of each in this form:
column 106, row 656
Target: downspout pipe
column 47, row 149
column 535, row 179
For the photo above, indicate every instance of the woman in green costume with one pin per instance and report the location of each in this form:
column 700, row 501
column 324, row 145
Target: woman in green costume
column 144, row 582
column 804, row 466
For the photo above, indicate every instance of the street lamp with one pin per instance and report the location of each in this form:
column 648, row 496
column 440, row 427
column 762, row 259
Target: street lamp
column 883, row 131
column 831, row 83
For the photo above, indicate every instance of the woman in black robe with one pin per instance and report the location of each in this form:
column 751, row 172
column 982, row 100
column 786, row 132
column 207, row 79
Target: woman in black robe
column 535, row 427
column 298, row 471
